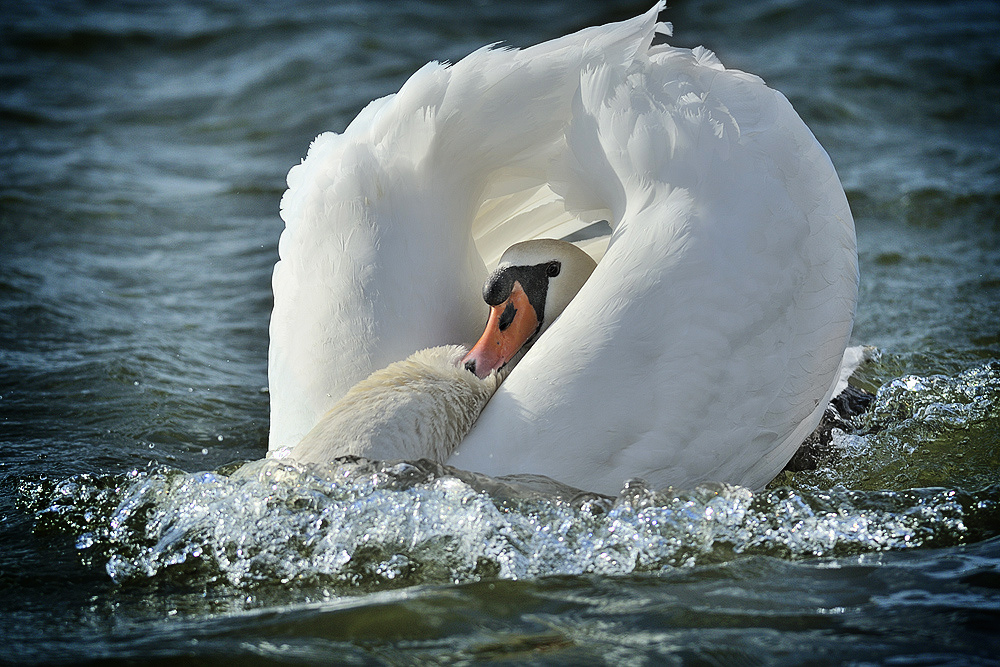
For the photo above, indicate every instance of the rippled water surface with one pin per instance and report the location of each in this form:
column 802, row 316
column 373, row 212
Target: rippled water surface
column 143, row 149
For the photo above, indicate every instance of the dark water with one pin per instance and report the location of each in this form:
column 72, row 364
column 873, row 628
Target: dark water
column 143, row 149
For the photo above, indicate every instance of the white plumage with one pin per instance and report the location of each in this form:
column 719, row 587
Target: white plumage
column 706, row 344
column 420, row 407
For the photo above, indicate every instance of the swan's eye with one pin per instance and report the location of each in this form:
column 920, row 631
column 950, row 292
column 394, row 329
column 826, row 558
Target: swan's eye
column 552, row 270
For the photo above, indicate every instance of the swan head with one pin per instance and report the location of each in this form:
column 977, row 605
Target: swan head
column 531, row 286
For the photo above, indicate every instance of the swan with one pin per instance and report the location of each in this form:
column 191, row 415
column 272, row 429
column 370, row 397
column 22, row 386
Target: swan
column 709, row 338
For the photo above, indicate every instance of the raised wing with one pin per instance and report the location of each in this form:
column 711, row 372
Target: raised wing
column 390, row 225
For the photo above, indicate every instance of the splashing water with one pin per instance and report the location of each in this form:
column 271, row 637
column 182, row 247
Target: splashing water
column 363, row 525
column 934, row 431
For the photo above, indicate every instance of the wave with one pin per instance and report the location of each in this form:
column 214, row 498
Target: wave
column 365, row 525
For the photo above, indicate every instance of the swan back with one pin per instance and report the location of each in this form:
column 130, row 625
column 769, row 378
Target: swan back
column 708, row 341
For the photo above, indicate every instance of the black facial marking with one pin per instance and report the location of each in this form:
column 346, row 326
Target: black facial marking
column 507, row 316
column 498, row 287
column 534, row 281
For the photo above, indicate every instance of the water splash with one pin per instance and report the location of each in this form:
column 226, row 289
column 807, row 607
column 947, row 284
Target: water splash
column 901, row 479
column 364, row 525
column 921, row 431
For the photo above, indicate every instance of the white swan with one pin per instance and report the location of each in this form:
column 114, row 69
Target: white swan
column 708, row 340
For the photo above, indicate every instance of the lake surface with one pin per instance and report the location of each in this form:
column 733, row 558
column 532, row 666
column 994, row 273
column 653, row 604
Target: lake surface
column 143, row 150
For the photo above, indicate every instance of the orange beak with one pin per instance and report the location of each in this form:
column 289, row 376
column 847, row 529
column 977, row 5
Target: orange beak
column 510, row 325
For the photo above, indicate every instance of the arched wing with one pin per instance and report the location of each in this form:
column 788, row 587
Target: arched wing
column 707, row 343
column 389, row 226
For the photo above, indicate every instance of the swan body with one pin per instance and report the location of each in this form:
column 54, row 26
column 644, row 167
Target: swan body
column 709, row 338
column 420, row 407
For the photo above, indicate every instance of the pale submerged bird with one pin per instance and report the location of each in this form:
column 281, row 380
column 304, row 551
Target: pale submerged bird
column 707, row 342
column 417, row 408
